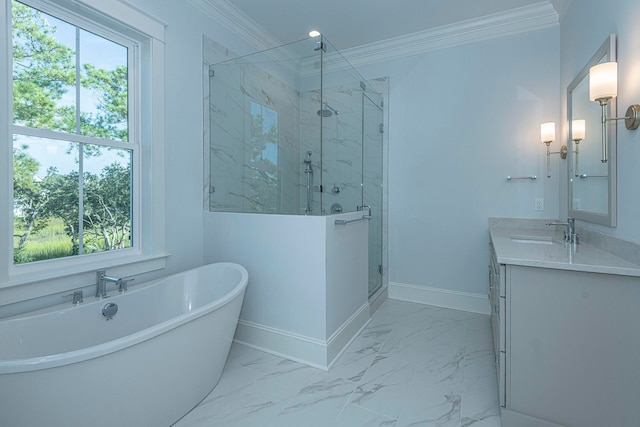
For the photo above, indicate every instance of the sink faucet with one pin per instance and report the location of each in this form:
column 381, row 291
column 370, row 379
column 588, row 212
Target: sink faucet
column 570, row 233
column 101, row 283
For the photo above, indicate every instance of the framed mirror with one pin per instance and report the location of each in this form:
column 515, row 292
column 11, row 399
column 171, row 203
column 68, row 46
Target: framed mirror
column 592, row 181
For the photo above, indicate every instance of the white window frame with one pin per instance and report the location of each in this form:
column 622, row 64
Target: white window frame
column 144, row 36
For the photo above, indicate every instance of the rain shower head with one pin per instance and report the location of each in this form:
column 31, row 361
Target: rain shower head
column 327, row 111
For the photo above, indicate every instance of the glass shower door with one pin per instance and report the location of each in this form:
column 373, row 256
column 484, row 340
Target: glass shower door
column 372, row 136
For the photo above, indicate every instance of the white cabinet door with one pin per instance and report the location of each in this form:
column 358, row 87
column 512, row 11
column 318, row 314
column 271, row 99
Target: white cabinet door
column 574, row 341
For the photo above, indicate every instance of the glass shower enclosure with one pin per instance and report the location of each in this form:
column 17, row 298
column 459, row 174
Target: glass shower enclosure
column 296, row 130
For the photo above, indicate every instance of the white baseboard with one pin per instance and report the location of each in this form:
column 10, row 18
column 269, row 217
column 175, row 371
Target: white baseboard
column 310, row 351
column 378, row 298
column 475, row 303
column 346, row 333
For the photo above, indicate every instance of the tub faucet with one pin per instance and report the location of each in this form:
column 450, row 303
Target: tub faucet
column 570, row 233
column 101, row 283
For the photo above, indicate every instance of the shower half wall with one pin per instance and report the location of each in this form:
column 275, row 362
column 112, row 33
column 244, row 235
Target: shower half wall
column 296, row 133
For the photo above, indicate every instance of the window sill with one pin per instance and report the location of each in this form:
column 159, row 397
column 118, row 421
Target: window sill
column 36, row 281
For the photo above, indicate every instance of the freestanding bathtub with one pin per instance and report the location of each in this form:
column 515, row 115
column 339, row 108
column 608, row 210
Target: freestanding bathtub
column 153, row 361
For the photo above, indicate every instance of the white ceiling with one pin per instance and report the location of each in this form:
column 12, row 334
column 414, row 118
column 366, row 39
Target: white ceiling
column 350, row 23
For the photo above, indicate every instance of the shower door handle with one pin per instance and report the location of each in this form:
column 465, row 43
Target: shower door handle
column 361, row 208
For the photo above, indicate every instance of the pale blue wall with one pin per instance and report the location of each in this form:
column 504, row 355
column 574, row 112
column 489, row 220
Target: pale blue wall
column 460, row 120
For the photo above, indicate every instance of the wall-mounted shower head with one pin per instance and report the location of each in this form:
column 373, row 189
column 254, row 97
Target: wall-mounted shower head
column 307, row 161
column 327, row 111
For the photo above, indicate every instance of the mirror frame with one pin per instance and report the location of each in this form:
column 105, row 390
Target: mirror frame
column 607, row 52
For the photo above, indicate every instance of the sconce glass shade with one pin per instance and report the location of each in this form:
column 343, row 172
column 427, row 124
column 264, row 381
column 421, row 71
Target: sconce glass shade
column 578, row 129
column 548, row 132
column 603, row 81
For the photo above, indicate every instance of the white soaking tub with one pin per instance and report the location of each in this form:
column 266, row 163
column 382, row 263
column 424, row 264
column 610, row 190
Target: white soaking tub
column 154, row 360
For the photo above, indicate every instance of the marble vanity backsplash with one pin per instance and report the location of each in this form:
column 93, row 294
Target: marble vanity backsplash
column 628, row 251
column 527, row 225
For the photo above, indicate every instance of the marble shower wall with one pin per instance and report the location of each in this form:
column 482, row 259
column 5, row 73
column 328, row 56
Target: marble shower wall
column 352, row 158
column 250, row 172
column 341, row 147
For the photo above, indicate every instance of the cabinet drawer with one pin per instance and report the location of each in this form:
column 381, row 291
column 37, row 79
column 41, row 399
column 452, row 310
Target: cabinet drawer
column 502, row 316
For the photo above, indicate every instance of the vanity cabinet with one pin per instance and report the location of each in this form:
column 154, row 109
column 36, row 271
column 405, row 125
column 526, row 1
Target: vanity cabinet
column 567, row 345
column 497, row 299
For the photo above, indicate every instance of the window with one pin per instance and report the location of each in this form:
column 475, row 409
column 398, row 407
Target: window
column 72, row 153
column 263, row 159
column 81, row 130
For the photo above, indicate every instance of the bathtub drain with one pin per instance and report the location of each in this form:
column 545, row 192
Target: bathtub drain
column 109, row 310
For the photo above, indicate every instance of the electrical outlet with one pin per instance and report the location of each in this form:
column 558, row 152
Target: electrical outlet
column 539, row 204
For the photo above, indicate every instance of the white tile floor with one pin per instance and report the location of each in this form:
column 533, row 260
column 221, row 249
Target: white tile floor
column 413, row 365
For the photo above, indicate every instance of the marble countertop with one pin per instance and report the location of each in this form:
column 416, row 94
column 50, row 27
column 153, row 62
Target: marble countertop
column 529, row 244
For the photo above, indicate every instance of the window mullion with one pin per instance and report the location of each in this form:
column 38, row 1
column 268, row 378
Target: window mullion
column 80, row 151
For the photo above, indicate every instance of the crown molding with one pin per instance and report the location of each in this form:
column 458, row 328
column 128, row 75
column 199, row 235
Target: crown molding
column 230, row 17
column 561, row 6
column 519, row 20
column 538, row 16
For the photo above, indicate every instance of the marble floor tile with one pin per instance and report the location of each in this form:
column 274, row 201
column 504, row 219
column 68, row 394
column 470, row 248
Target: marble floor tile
column 384, row 386
column 420, row 346
column 355, row 416
column 430, row 406
column 231, row 410
column 413, row 365
column 479, row 334
column 489, row 422
column 318, row 404
column 357, row 358
column 283, row 380
column 480, row 395
column 445, row 371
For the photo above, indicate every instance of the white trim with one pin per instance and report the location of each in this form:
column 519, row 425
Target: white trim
column 129, row 15
column 6, row 149
column 474, row 303
column 300, row 348
column 561, row 6
column 519, row 20
column 528, row 18
column 46, row 279
column 347, row 332
column 309, row 351
column 230, row 17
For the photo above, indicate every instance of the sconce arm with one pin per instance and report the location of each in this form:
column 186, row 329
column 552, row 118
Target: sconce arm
column 631, row 117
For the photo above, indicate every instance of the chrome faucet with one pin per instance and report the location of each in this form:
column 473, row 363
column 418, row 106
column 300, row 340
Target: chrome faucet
column 570, row 235
column 101, row 283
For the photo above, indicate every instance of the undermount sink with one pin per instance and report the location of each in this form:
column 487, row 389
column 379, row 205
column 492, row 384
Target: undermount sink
column 535, row 240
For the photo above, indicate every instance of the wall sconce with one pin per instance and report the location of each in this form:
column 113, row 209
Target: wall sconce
column 603, row 86
column 547, row 136
column 578, row 133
